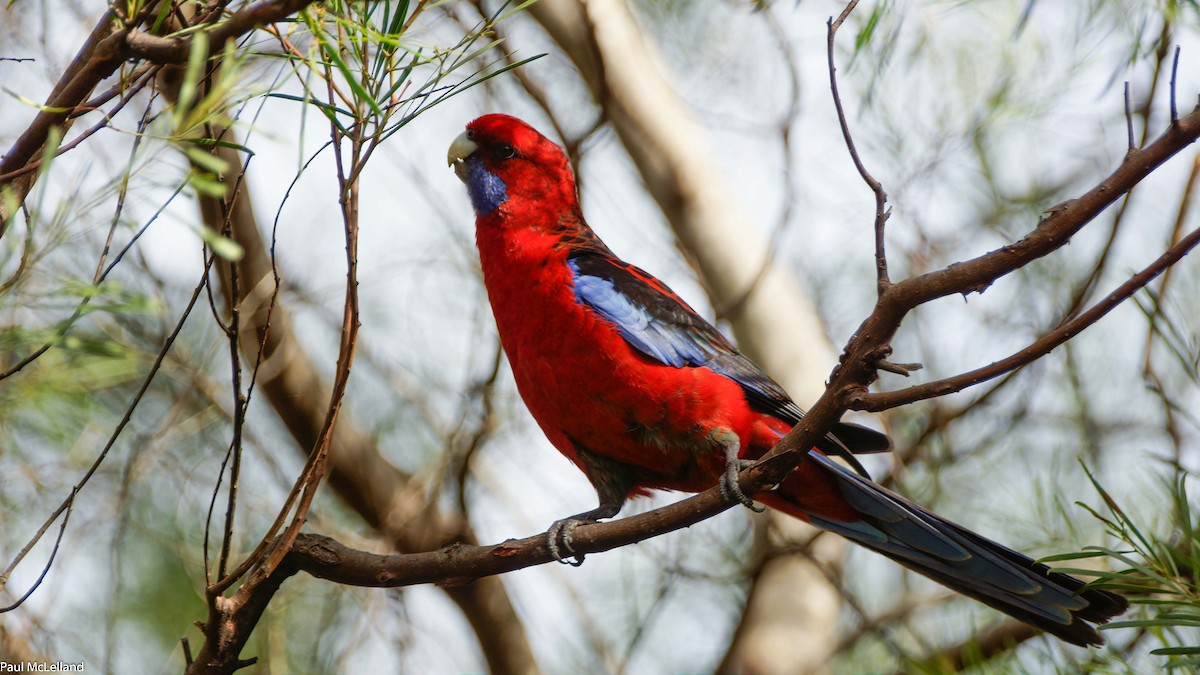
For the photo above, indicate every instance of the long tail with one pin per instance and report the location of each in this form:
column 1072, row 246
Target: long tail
column 833, row 498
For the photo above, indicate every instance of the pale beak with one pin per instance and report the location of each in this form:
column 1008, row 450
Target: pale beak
column 460, row 149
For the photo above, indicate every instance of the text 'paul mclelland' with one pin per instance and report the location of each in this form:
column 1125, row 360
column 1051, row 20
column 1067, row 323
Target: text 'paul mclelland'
column 41, row 667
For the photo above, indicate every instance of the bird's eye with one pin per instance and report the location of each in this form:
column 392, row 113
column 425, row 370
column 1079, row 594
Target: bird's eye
column 505, row 151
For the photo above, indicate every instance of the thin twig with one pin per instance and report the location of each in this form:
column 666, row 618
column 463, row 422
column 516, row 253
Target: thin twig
column 68, row 503
column 1174, row 73
column 1129, row 119
column 881, row 210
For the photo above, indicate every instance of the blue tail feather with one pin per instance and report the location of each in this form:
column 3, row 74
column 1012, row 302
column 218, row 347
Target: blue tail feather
column 967, row 562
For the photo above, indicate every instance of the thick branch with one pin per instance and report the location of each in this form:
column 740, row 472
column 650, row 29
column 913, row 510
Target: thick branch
column 459, row 563
column 165, row 51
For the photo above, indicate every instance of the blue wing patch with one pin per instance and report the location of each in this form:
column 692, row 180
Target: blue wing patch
column 634, row 322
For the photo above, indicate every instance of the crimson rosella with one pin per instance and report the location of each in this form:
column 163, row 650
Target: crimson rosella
column 642, row 393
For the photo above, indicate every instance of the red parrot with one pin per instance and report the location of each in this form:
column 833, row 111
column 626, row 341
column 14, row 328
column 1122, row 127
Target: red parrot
column 641, row 393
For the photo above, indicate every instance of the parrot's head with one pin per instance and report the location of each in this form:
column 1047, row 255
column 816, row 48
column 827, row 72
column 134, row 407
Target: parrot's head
column 505, row 161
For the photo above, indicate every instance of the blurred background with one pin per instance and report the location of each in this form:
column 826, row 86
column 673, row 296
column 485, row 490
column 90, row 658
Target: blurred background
column 708, row 152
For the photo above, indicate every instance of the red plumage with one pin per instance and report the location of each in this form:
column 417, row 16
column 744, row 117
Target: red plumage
column 641, row 393
column 579, row 378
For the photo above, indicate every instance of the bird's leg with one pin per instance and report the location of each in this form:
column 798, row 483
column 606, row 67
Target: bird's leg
column 730, row 490
column 612, row 481
column 558, row 537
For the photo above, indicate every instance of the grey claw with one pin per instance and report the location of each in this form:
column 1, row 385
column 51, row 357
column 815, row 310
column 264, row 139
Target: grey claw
column 562, row 528
column 732, row 492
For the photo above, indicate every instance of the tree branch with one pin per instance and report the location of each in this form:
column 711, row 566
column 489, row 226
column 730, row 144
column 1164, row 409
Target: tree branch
column 103, row 52
column 1036, row 350
column 175, row 50
column 1051, row 233
column 870, row 342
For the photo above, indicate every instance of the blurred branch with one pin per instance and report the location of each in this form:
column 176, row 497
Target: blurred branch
column 1155, row 316
column 981, row 648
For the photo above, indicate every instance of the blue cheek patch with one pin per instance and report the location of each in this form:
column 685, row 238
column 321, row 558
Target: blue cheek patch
column 486, row 189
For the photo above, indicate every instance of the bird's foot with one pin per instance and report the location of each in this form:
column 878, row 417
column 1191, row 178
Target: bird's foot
column 558, row 537
column 731, row 491
column 558, row 540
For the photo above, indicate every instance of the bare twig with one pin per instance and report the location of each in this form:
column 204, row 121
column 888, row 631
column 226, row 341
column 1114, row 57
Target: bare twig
column 1174, row 74
column 1132, row 145
column 881, row 211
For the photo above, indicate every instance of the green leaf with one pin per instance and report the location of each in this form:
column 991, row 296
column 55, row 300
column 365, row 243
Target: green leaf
column 164, row 10
column 191, row 77
column 214, row 143
column 221, row 245
column 868, row 30
column 206, row 161
column 1175, row 651
column 206, row 184
column 1073, row 556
